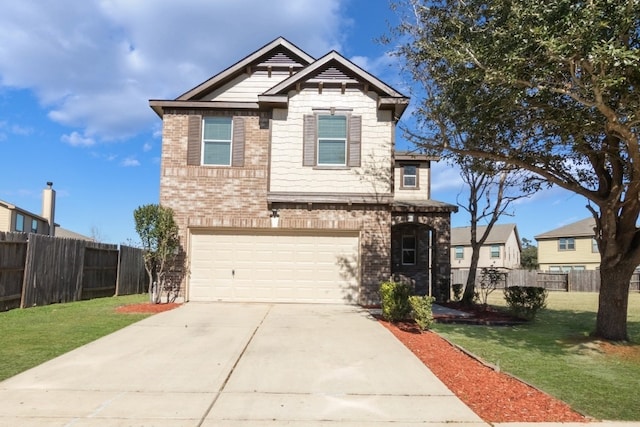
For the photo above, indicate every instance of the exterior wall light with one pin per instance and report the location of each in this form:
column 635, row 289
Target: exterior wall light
column 275, row 218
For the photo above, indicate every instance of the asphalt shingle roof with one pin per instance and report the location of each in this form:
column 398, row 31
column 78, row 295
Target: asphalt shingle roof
column 582, row 228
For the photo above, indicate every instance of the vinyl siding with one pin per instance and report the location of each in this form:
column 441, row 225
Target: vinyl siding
column 549, row 255
column 246, row 88
column 412, row 194
column 287, row 171
column 5, row 219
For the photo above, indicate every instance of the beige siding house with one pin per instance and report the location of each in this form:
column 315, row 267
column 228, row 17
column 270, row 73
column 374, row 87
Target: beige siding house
column 501, row 249
column 571, row 247
column 283, row 177
column 15, row 219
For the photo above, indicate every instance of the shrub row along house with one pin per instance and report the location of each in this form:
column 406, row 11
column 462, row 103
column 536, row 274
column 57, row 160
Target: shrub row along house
column 283, row 177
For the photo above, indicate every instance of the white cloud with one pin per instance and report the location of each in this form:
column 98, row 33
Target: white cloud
column 76, row 140
column 130, row 162
column 94, row 65
column 147, row 147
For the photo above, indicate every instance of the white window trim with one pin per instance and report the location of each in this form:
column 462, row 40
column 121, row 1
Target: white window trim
column 455, row 252
column 346, row 141
column 204, row 141
column 404, row 175
column 491, row 251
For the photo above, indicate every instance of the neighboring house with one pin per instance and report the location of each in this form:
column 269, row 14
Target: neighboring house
column 282, row 175
column 501, row 249
column 68, row 234
column 15, row 219
column 572, row 247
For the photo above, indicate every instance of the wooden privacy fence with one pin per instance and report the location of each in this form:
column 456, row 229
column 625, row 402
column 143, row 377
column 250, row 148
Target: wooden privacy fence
column 40, row 270
column 573, row 281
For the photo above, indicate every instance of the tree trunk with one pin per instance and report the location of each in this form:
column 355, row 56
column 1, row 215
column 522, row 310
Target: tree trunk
column 470, row 287
column 611, row 323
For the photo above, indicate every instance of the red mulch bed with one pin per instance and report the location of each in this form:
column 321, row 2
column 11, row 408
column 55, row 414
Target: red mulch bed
column 494, row 396
column 146, row 307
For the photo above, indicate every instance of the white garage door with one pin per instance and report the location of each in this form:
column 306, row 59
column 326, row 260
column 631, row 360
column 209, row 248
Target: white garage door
column 276, row 266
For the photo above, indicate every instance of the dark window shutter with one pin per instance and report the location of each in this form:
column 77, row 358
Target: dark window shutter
column 309, row 141
column 237, row 142
column 355, row 141
column 194, row 140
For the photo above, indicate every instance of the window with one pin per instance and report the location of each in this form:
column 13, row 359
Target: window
column 408, row 250
column 332, row 140
column 459, row 252
column 594, row 246
column 410, row 176
column 216, row 141
column 34, row 225
column 19, row 222
column 567, row 244
column 495, row 251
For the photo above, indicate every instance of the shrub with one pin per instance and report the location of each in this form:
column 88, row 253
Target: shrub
column 490, row 278
column 421, row 311
column 525, row 301
column 395, row 301
column 457, row 291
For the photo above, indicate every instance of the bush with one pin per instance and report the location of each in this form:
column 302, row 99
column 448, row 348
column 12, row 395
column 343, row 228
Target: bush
column 457, row 291
column 525, row 301
column 395, row 301
column 421, row 311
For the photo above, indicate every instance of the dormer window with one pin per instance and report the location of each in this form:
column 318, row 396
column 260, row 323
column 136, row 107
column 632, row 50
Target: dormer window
column 410, row 176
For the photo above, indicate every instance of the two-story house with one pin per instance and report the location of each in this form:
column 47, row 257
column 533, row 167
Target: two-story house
column 283, row 179
column 571, row 247
column 16, row 219
column 501, row 249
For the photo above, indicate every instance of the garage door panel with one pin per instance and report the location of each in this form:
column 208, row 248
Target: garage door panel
column 273, row 266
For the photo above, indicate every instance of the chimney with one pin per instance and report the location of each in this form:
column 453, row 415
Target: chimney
column 49, row 207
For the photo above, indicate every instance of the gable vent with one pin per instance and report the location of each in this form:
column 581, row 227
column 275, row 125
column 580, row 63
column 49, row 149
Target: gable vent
column 280, row 59
column 333, row 74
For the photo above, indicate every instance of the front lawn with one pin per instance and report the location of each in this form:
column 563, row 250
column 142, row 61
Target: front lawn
column 32, row 336
column 556, row 354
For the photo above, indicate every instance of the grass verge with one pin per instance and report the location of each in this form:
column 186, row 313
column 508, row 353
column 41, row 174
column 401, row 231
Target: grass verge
column 556, row 354
column 34, row 335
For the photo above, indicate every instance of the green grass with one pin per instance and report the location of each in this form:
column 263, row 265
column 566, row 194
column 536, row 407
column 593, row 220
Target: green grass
column 556, row 354
column 32, row 336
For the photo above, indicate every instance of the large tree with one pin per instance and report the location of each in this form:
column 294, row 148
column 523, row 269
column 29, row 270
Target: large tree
column 555, row 83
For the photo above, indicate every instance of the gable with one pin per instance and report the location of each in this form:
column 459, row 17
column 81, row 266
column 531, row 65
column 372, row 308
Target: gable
column 251, row 80
column 335, row 72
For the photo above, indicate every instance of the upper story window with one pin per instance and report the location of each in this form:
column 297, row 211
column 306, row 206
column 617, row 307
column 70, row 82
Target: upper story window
column 594, row 246
column 216, row 141
column 332, row 140
column 409, row 176
column 459, row 252
column 408, row 249
column 19, row 222
column 34, row 225
column 495, row 251
column 566, row 244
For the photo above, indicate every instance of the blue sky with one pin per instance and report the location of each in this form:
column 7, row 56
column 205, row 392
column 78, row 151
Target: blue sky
column 76, row 77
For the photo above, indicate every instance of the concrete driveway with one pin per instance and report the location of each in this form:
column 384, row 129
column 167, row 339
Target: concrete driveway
column 227, row 364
